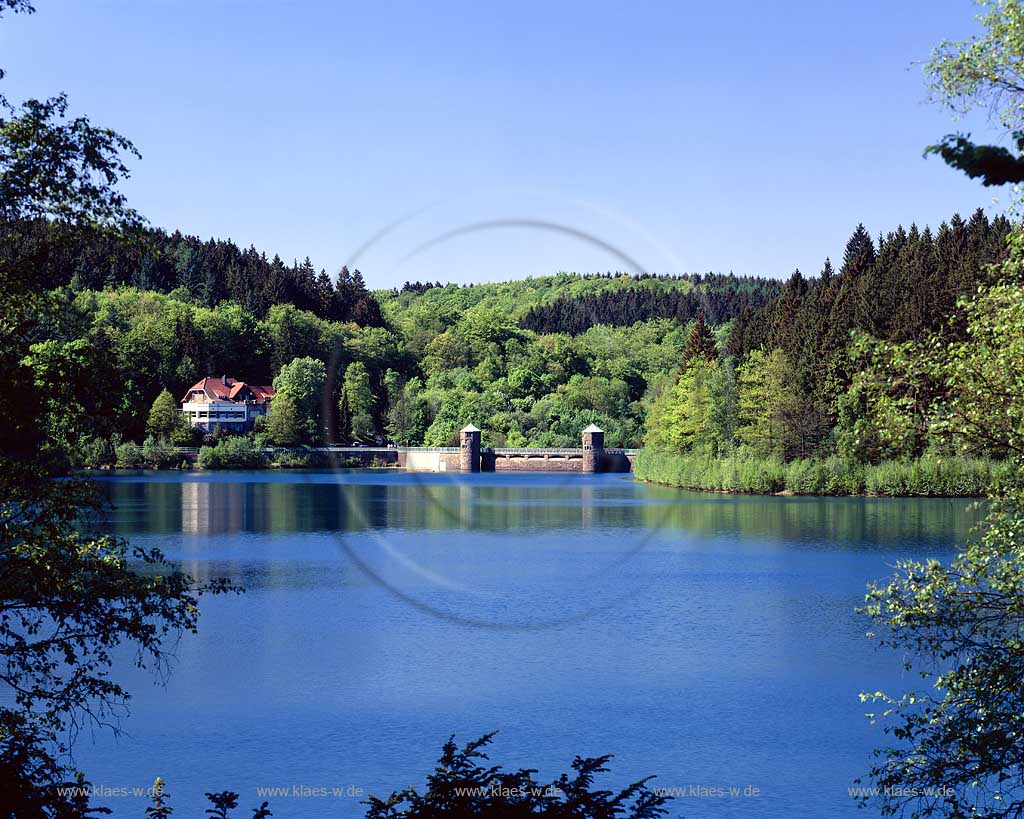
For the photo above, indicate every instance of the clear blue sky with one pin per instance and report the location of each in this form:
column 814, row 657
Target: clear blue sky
column 743, row 136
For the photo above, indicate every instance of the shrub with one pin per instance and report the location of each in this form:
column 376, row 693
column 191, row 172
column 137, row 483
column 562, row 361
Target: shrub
column 97, row 453
column 466, row 783
column 934, row 476
column 129, row 456
column 236, row 452
column 287, row 459
column 803, row 477
column 763, row 477
column 158, row 454
column 842, row 476
column 928, row 476
column 739, row 473
column 824, row 476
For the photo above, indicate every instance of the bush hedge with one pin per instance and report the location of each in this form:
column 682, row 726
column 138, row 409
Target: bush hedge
column 928, row 476
column 236, row 452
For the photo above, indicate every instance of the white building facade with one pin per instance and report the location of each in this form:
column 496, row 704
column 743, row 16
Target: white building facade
column 225, row 403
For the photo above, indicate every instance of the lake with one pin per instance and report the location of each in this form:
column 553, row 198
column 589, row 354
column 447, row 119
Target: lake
column 708, row 639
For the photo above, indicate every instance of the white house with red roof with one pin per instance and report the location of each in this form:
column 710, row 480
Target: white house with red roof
column 225, row 403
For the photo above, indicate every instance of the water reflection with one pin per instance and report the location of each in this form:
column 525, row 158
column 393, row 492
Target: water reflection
column 344, row 502
column 690, row 628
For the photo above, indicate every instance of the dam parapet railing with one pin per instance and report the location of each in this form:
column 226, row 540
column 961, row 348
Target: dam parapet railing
column 470, row 456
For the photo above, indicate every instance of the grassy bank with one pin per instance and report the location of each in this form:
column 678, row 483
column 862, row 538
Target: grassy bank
column 922, row 477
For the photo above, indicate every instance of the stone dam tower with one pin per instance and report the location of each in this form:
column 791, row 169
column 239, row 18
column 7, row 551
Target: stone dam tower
column 469, row 449
column 593, row 448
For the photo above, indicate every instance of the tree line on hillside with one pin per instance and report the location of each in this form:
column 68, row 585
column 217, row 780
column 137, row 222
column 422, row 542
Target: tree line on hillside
column 112, row 354
column 794, row 379
column 418, row 287
column 436, row 365
column 517, row 297
column 897, row 289
column 458, row 354
column 90, row 258
column 720, row 298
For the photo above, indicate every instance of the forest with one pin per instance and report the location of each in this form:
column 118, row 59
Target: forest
column 808, row 395
column 708, row 367
column 206, row 273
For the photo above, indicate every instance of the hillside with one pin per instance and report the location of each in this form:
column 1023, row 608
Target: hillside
column 572, row 302
column 530, row 361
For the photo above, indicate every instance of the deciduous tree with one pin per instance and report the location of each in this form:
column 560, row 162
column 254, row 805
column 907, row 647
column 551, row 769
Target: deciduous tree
column 68, row 598
column 764, row 385
column 984, row 72
column 164, row 416
column 956, row 745
column 303, row 381
column 285, row 426
column 359, row 396
column 680, row 418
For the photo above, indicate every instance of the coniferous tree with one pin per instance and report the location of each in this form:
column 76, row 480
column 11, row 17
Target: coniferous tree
column 739, row 335
column 212, row 290
column 211, row 272
column 844, row 311
column 701, row 344
column 786, row 330
column 325, row 293
column 187, row 269
column 274, row 288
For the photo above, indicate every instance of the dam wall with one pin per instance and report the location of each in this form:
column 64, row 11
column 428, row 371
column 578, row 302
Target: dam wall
column 470, row 456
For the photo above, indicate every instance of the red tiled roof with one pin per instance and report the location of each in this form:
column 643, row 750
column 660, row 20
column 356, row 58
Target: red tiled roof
column 262, row 394
column 226, row 389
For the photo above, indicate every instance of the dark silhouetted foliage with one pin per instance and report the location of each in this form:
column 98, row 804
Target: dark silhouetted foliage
column 993, row 164
column 464, row 785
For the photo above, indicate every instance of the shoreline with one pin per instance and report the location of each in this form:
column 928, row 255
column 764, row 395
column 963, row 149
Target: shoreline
column 783, row 493
column 927, row 476
column 789, row 493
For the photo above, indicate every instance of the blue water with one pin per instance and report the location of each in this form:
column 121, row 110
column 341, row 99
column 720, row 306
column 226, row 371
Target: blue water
column 708, row 639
